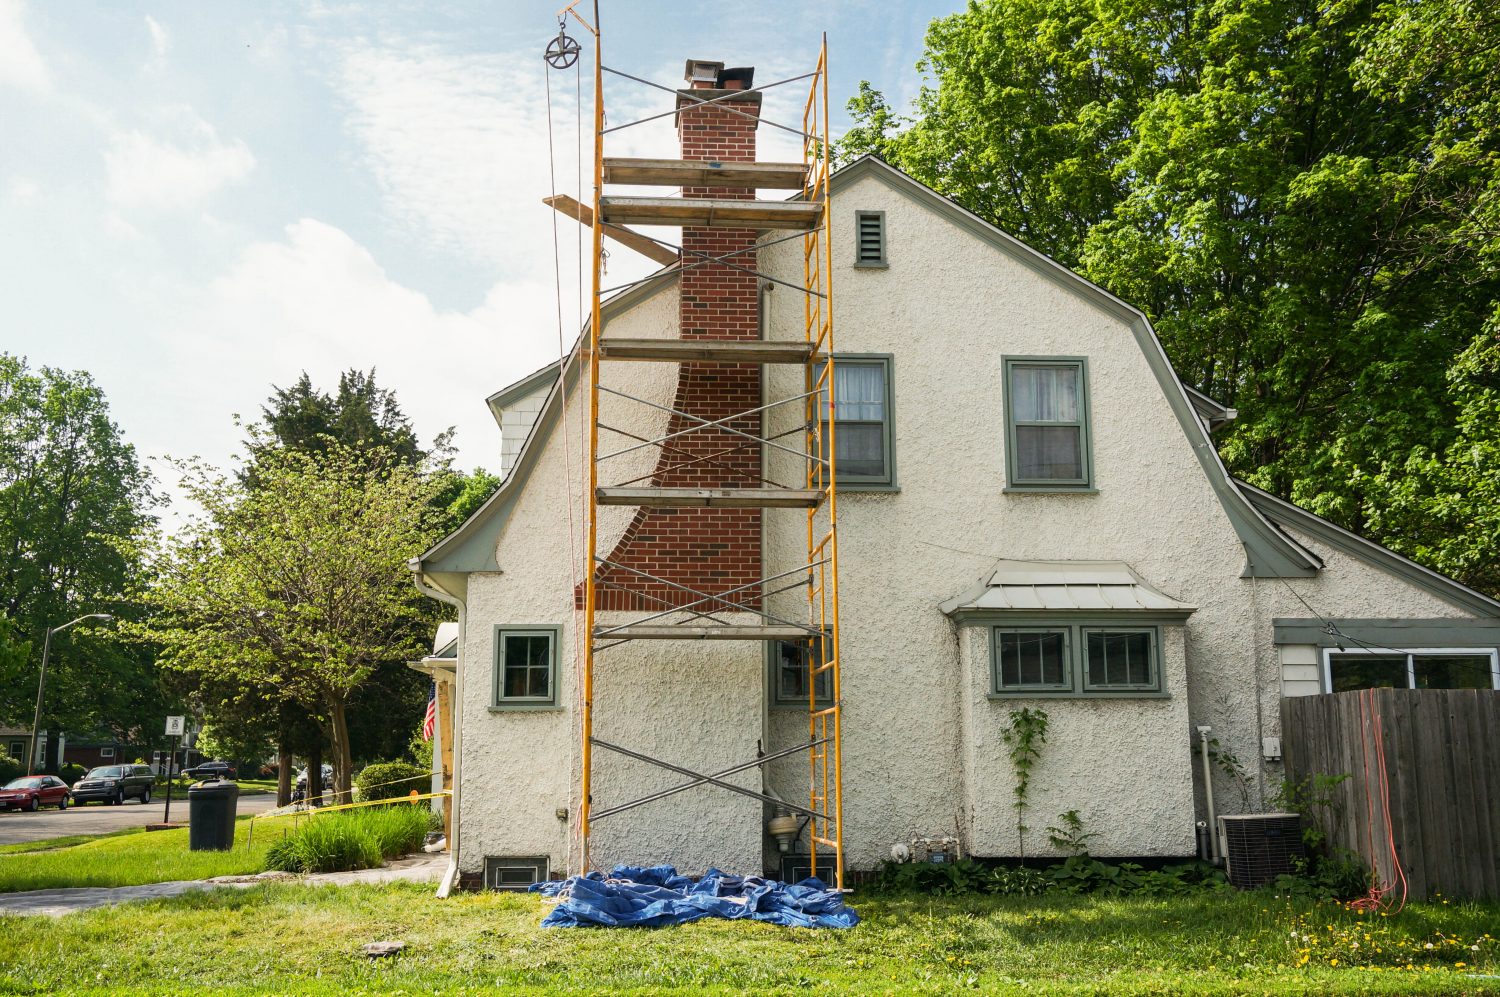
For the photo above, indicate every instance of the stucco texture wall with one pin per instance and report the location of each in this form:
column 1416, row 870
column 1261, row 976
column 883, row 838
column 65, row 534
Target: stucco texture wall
column 922, row 751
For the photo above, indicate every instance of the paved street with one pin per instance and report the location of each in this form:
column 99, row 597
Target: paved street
column 97, row 818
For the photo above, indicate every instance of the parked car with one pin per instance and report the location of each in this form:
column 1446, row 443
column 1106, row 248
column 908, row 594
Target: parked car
column 113, row 783
column 32, row 792
column 299, row 787
column 210, row 770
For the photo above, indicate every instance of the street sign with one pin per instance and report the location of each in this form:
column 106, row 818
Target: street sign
column 175, row 725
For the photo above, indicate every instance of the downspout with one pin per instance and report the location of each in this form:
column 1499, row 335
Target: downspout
column 450, row 876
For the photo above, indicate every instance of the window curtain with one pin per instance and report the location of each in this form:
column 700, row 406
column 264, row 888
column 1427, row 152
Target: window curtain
column 1045, row 394
column 859, row 392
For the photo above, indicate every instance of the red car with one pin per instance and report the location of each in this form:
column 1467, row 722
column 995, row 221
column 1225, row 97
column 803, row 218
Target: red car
column 33, row 792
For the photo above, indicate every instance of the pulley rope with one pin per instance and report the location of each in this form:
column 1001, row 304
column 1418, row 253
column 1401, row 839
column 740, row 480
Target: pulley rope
column 575, row 829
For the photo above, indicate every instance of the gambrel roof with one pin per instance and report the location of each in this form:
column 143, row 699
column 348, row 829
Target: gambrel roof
column 1270, row 551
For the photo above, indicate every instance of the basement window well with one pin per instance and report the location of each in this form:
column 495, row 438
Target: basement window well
column 509, row 872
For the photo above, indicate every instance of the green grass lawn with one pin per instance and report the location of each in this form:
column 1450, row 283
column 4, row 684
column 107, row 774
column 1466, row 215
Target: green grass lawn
column 296, row 939
column 131, row 857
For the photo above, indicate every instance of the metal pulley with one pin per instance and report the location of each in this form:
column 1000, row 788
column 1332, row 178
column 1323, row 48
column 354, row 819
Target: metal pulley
column 562, row 51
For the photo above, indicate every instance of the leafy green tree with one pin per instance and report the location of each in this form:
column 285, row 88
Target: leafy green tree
column 365, row 417
column 1300, row 195
column 73, row 498
column 298, row 582
column 361, row 415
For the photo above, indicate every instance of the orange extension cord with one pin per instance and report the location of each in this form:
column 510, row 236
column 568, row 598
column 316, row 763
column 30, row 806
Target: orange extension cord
column 1379, row 898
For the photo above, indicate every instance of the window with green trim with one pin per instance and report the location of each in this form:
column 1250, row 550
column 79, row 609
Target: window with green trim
column 1028, row 660
column 1047, row 423
column 791, row 669
column 862, row 405
column 525, row 666
column 1076, row 659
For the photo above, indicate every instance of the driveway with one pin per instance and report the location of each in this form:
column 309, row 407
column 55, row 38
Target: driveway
column 98, row 818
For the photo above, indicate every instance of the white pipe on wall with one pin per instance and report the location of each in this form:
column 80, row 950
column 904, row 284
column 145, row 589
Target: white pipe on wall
column 1208, row 795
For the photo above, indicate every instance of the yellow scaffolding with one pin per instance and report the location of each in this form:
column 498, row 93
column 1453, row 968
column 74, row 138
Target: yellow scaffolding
column 810, row 218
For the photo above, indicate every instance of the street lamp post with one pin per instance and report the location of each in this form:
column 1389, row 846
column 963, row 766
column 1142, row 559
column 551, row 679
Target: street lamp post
column 41, row 684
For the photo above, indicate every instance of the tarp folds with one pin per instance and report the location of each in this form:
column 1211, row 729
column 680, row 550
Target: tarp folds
column 653, row 898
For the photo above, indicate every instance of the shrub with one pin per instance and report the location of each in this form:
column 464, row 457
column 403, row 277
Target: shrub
column 10, row 769
column 389, row 781
column 71, row 773
column 351, row 839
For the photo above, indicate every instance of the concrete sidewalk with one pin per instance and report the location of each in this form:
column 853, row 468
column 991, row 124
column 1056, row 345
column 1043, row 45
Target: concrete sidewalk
column 56, row 903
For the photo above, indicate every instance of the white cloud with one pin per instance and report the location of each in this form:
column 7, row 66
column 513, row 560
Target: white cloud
column 458, row 145
column 146, row 172
column 21, row 65
column 21, row 190
column 161, row 43
column 319, row 301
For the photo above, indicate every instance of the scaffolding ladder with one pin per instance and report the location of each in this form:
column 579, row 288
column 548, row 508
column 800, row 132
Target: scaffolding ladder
column 693, row 614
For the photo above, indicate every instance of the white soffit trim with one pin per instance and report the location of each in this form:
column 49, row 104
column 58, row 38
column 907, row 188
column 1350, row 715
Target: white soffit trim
column 1065, row 587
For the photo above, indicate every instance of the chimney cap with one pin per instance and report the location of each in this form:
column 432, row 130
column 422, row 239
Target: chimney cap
column 737, row 78
column 702, row 71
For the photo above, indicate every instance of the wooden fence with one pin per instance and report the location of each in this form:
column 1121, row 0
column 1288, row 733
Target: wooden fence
column 1439, row 799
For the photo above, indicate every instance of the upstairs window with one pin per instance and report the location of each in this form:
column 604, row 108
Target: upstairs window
column 869, row 239
column 862, row 405
column 1047, row 423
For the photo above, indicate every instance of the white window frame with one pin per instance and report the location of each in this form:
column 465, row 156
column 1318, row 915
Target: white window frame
column 1411, row 652
column 107, row 752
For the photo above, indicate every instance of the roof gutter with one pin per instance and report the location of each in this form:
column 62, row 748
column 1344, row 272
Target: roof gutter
column 450, row 876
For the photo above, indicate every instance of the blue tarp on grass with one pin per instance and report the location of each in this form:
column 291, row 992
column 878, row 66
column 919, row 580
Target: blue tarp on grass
column 653, row 898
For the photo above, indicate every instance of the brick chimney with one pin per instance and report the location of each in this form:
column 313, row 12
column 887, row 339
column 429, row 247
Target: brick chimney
column 709, row 550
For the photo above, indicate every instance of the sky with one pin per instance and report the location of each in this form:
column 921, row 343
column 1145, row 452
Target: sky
column 199, row 201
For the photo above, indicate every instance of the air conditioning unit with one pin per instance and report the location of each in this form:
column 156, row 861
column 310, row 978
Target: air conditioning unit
column 1260, row 847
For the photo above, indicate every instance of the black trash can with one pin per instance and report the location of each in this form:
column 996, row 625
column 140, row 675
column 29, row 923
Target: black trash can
column 211, row 808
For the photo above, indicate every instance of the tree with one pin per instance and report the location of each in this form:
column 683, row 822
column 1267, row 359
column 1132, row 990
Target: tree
column 73, row 499
column 298, row 583
column 365, row 417
column 362, row 416
column 1300, row 195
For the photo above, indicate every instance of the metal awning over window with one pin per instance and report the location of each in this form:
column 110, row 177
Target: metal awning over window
column 1071, row 587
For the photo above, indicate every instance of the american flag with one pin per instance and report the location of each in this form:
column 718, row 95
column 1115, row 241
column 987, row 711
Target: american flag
column 429, row 722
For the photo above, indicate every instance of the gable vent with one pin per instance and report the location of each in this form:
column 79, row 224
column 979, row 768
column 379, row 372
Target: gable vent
column 869, row 249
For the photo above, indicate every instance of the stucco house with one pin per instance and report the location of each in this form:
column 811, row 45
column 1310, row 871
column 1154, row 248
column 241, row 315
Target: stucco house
column 1031, row 513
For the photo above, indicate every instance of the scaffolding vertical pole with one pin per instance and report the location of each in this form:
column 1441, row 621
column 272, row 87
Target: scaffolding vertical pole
column 825, row 768
column 591, row 566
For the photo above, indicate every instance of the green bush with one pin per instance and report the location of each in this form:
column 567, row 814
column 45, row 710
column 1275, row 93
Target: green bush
column 350, row 839
column 390, row 780
column 1076, row 874
column 10, row 769
column 71, row 773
